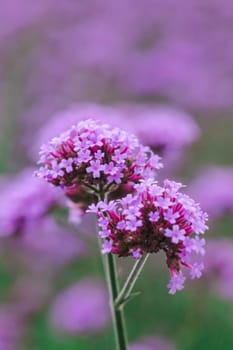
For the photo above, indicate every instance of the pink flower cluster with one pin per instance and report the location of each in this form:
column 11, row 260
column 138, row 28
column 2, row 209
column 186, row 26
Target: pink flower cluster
column 92, row 161
column 155, row 218
column 96, row 157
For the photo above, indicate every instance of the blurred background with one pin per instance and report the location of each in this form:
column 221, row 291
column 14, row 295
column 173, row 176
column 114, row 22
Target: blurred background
column 161, row 69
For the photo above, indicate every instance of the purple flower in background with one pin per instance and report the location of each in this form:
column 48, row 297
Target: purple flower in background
column 219, row 265
column 167, row 130
column 131, row 229
column 92, row 51
column 63, row 120
column 76, row 212
column 35, row 258
column 30, row 292
column 172, row 51
column 213, row 189
column 152, row 343
column 18, row 15
column 163, row 128
column 81, row 308
column 11, row 328
column 24, row 199
column 50, row 244
column 153, row 124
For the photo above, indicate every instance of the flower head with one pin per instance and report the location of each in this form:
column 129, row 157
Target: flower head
column 95, row 157
column 156, row 218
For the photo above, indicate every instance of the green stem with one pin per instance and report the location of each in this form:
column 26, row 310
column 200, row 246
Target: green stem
column 130, row 282
column 117, row 313
column 113, row 288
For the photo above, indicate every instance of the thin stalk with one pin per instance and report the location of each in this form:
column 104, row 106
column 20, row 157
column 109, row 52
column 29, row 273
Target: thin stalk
column 130, row 282
column 117, row 313
column 113, row 288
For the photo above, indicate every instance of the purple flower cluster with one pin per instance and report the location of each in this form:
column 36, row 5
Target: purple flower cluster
column 96, row 157
column 155, row 219
column 24, row 199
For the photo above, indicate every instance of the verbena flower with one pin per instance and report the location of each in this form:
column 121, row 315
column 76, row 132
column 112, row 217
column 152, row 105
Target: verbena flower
column 95, row 158
column 155, row 219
